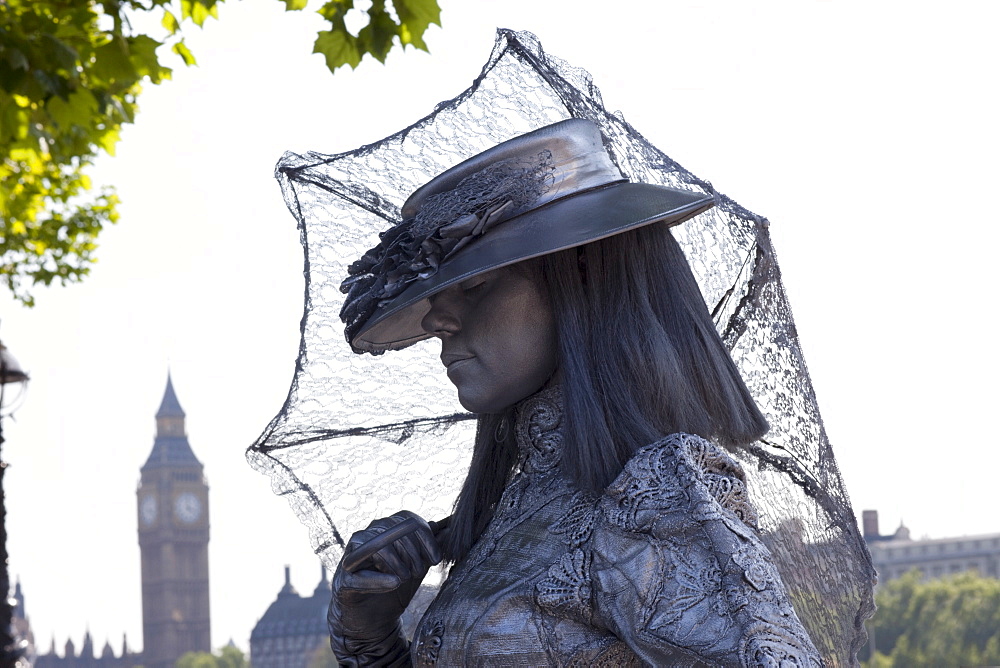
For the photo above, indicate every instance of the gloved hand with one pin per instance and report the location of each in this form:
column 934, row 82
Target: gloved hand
column 366, row 606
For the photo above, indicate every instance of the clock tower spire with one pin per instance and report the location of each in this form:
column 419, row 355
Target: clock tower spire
column 173, row 541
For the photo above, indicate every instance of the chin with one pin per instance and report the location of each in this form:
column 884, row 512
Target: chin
column 492, row 402
column 484, row 404
column 475, row 406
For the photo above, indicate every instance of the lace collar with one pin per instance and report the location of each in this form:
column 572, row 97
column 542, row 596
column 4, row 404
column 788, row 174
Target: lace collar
column 538, row 428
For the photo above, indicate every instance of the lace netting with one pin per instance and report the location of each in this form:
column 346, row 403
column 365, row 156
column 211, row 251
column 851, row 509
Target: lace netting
column 360, row 437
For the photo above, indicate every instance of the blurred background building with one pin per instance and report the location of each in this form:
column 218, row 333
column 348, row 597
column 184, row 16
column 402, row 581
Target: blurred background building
column 173, row 529
column 292, row 632
column 896, row 553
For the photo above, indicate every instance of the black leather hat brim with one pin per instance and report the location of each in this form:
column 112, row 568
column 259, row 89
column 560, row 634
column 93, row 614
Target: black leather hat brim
column 565, row 223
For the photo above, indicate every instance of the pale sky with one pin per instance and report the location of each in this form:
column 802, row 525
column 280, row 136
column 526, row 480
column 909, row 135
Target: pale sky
column 865, row 132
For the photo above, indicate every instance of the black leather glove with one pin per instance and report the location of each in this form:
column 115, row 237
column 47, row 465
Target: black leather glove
column 367, row 603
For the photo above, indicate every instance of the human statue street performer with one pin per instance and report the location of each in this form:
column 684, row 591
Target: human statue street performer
column 602, row 521
column 626, row 499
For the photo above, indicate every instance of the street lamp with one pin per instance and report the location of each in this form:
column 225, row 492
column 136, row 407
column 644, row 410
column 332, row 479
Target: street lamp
column 10, row 374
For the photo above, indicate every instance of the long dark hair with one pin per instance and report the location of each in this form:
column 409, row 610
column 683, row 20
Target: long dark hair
column 639, row 358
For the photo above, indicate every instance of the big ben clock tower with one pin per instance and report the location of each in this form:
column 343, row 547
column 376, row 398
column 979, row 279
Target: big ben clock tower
column 173, row 540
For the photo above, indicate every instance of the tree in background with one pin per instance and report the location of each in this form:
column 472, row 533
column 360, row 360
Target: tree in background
column 71, row 72
column 323, row 657
column 946, row 622
column 227, row 657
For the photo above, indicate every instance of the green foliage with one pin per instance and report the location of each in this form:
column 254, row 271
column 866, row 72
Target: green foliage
column 227, row 657
column 71, row 72
column 953, row 621
column 323, row 657
column 403, row 20
column 197, row 660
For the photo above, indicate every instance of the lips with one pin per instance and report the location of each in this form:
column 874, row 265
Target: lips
column 452, row 359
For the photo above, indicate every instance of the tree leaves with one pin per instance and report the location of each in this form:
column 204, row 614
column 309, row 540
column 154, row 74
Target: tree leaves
column 142, row 55
column 77, row 110
column 70, row 74
column 227, row 657
column 951, row 621
column 415, row 16
column 66, row 86
column 199, row 11
column 170, row 22
column 181, row 50
column 405, row 20
column 338, row 47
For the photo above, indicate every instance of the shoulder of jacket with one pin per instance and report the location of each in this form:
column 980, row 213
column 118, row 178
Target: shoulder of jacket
column 680, row 473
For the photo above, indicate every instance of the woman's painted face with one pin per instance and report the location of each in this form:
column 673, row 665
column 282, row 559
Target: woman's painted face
column 498, row 336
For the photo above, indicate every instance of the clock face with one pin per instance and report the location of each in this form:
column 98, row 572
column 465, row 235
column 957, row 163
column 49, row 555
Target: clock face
column 147, row 510
column 187, row 507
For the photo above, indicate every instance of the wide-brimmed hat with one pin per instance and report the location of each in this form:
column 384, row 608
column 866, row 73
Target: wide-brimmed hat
column 545, row 191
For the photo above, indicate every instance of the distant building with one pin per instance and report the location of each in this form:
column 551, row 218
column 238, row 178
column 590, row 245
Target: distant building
column 70, row 658
column 895, row 554
column 23, row 637
column 173, row 539
column 172, row 500
column 86, row 657
column 293, row 629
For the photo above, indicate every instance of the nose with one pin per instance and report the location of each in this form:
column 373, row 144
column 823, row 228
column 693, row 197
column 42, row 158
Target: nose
column 443, row 318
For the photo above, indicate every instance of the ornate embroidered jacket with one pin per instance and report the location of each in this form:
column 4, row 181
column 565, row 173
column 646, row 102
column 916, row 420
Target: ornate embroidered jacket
column 665, row 568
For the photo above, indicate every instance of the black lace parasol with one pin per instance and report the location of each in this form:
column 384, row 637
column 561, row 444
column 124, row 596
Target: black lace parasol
column 361, row 437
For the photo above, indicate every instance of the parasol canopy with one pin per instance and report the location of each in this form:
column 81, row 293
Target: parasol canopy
column 361, row 436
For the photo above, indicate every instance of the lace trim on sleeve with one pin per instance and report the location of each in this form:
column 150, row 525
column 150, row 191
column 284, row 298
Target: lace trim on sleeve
column 656, row 481
column 677, row 564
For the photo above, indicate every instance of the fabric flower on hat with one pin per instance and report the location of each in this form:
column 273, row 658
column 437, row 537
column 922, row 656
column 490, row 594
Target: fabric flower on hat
column 446, row 223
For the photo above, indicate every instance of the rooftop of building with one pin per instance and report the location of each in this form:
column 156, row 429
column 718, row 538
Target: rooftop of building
column 170, row 406
column 901, row 537
column 890, row 541
column 294, row 615
column 171, row 447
